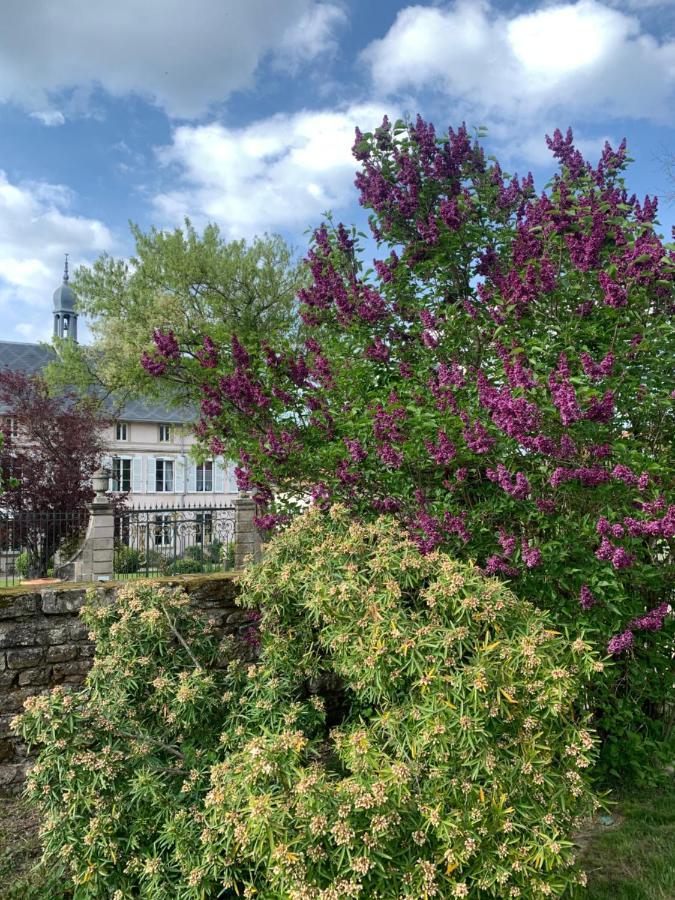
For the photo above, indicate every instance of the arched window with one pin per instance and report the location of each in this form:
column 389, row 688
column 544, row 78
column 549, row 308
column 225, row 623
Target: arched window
column 66, row 324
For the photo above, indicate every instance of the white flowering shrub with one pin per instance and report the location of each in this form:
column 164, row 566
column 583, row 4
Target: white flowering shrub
column 452, row 761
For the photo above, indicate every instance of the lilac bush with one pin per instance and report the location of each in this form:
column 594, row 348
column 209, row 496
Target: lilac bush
column 501, row 380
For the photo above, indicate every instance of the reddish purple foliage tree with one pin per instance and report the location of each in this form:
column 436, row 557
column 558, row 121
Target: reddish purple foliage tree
column 51, row 447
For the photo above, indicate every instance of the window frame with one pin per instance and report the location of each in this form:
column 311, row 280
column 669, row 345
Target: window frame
column 204, row 528
column 119, row 461
column 122, row 428
column 165, row 434
column 201, row 470
column 162, row 530
column 164, row 461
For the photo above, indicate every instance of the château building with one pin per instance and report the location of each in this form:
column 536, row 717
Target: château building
column 148, row 444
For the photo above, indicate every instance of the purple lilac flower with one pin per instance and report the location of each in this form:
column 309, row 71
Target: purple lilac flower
column 390, row 456
column 586, row 599
column 620, row 643
column 531, row 555
column 477, row 438
column 321, row 495
column 208, row 356
column 597, row 371
column 517, row 487
column 442, row 452
column 154, row 367
column 653, row 620
column 166, row 344
column 378, row 351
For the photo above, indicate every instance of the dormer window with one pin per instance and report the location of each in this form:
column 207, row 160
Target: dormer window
column 122, row 431
column 165, row 434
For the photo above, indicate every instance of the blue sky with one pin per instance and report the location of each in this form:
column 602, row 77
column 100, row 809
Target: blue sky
column 243, row 111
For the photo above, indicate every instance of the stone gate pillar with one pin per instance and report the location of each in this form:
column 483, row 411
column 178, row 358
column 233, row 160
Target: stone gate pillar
column 95, row 562
column 247, row 543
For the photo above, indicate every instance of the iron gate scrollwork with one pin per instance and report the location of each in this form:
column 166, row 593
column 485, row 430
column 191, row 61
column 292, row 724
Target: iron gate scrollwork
column 174, row 541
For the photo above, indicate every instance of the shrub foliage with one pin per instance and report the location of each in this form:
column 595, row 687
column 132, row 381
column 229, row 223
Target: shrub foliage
column 501, row 380
column 409, row 730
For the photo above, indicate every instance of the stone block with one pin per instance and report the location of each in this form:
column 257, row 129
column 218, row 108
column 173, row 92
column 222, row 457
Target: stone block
column 13, row 701
column 7, row 679
column 5, row 730
column 101, row 542
column 78, row 631
column 38, row 677
column 19, row 607
column 58, row 635
column 12, row 777
column 78, row 667
column 60, row 602
column 25, row 659
column 29, row 632
column 61, row 653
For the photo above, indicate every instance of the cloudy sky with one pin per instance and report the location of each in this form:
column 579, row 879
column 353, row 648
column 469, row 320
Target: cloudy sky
column 243, row 111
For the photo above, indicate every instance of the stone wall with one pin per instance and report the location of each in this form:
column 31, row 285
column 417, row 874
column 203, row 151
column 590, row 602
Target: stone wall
column 43, row 643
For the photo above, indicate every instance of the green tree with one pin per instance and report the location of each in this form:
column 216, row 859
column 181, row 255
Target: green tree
column 182, row 282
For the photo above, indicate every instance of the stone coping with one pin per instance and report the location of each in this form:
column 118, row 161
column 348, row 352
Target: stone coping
column 7, row 593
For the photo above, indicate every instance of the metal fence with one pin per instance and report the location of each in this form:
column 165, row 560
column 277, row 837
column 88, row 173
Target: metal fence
column 174, row 541
column 34, row 544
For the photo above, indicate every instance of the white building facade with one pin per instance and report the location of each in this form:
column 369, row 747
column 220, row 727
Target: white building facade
column 150, row 461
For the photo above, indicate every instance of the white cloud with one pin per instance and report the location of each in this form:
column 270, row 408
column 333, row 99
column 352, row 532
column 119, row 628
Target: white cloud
column 35, row 231
column 577, row 56
column 280, row 172
column 181, row 56
column 314, row 34
column 51, row 118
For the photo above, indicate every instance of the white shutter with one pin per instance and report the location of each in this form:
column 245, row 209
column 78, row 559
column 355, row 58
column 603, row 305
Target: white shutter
column 219, row 480
column 150, row 480
column 179, row 480
column 231, row 479
column 192, row 478
column 106, row 463
column 136, row 475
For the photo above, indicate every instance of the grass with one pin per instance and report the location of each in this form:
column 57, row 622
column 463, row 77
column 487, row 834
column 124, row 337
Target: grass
column 631, row 859
column 21, row 875
column 634, row 857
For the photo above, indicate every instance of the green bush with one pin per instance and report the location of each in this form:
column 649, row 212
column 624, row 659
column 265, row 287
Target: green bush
column 22, row 563
column 194, row 551
column 184, row 567
column 410, row 730
column 127, row 560
column 227, row 555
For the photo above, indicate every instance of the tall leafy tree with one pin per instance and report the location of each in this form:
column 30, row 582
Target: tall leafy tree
column 51, row 447
column 184, row 283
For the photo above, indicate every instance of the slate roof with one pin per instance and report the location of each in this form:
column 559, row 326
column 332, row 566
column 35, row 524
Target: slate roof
column 33, row 358
column 24, row 357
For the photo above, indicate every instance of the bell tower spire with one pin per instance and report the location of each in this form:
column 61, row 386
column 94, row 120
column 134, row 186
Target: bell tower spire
column 65, row 316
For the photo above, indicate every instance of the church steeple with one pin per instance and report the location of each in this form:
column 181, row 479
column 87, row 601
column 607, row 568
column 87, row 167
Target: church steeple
column 65, row 317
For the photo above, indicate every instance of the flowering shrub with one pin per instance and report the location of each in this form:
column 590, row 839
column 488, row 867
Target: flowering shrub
column 120, row 759
column 451, row 762
column 501, row 380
